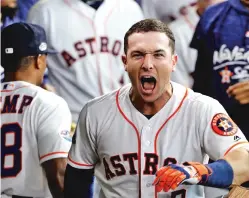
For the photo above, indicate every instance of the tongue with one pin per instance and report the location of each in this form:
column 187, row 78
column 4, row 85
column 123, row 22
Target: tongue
column 148, row 86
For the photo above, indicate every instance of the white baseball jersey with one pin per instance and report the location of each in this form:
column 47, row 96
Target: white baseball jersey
column 126, row 149
column 183, row 29
column 2, row 73
column 35, row 127
column 164, row 10
column 90, row 46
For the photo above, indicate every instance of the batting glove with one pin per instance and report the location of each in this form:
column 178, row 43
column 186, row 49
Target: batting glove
column 171, row 176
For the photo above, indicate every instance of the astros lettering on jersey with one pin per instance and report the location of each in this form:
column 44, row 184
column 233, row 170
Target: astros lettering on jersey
column 35, row 126
column 126, row 149
column 90, row 46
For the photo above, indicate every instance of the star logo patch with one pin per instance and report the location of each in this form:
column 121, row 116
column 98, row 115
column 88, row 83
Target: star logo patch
column 223, row 125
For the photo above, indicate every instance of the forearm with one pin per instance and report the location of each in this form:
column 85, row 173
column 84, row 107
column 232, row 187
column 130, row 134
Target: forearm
column 56, row 180
column 232, row 170
column 57, row 186
column 239, row 161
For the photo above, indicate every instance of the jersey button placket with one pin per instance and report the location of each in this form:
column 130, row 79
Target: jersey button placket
column 146, row 145
column 146, row 137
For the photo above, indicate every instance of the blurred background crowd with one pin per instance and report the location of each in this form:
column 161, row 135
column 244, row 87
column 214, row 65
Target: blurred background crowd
column 212, row 42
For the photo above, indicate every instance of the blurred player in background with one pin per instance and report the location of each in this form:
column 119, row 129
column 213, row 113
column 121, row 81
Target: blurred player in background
column 222, row 67
column 24, row 7
column 125, row 136
column 88, row 36
column 13, row 11
column 35, row 123
column 183, row 29
column 165, row 10
column 9, row 13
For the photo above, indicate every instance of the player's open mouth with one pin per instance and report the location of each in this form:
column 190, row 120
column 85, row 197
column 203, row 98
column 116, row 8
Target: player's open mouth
column 148, row 84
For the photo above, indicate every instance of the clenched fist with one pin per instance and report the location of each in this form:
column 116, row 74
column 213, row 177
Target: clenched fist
column 240, row 91
column 171, row 176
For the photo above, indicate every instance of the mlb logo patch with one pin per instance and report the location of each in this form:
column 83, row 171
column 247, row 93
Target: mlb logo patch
column 9, row 50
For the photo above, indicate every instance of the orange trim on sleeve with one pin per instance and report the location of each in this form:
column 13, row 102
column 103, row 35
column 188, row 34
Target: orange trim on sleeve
column 77, row 163
column 53, row 153
column 228, row 150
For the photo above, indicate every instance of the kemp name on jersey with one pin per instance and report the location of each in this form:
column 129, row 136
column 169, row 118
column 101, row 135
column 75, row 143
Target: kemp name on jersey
column 10, row 103
column 35, row 126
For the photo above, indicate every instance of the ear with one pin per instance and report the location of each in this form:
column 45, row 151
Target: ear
column 38, row 62
column 124, row 60
column 174, row 61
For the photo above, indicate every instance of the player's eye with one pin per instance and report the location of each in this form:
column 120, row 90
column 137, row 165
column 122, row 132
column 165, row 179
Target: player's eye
column 137, row 55
column 158, row 55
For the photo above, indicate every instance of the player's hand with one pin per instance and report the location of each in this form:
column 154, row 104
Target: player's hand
column 171, row 176
column 240, row 91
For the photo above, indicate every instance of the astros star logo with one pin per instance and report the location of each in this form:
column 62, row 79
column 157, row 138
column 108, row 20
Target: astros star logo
column 225, row 125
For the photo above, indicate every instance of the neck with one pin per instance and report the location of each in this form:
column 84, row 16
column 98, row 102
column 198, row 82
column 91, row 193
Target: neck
column 200, row 7
column 151, row 108
column 20, row 76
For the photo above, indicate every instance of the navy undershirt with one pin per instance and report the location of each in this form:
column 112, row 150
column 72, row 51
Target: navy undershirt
column 148, row 116
column 93, row 3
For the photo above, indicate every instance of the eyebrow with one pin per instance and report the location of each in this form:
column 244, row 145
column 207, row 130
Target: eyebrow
column 160, row 50
column 143, row 51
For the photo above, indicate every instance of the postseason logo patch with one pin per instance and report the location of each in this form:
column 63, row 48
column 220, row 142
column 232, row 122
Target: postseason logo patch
column 223, row 125
column 66, row 135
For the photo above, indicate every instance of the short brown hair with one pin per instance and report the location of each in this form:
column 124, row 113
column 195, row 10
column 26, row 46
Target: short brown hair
column 150, row 25
column 15, row 63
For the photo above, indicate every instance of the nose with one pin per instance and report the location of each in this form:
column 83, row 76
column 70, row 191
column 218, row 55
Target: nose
column 148, row 62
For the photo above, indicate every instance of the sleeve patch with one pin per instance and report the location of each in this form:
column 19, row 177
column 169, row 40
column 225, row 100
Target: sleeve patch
column 65, row 134
column 223, row 125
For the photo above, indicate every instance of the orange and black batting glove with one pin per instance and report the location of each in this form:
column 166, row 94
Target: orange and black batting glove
column 171, row 176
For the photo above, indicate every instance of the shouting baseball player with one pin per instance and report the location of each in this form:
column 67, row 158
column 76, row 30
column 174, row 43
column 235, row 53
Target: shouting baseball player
column 88, row 35
column 35, row 123
column 152, row 125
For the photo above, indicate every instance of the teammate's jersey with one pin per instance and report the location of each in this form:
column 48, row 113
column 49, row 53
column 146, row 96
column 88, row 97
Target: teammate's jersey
column 35, row 127
column 183, row 29
column 126, row 149
column 90, row 45
column 2, row 73
column 164, row 10
column 223, row 56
